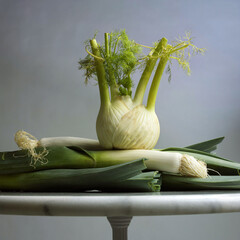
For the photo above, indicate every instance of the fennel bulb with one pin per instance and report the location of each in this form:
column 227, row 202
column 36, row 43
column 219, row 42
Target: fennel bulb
column 124, row 122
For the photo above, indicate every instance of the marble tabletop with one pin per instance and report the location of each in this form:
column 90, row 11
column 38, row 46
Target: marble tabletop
column 119, row 204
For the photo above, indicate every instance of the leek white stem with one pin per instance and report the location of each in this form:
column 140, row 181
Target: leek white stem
column 171, row 162
column 26, row 141
column 70, row 141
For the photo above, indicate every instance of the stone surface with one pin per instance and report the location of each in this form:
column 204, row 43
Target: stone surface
column 119, row 204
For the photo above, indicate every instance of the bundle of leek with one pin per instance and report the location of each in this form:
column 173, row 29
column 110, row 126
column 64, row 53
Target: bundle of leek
column 48, row 165
column 77, row 169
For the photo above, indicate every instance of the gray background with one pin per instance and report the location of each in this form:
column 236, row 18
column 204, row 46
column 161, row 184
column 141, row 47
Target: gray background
column 42, row 91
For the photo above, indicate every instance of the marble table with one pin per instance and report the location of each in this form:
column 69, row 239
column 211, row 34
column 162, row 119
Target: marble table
column 119, row 208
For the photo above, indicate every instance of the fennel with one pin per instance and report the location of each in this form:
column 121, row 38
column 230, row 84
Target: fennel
column 124, row 122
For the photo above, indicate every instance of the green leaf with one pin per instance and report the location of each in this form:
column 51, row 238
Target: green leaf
column 144, row 182
column 83, row 179
column 207, row 146
column 57, row 157
column 217, row 164
column 178, row 183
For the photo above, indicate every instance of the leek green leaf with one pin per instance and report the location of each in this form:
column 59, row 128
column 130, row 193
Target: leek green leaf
column 207, row 146
column 217, row 164
column 178, row 183
column 124, row 176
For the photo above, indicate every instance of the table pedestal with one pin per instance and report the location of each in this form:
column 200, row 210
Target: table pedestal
column 119, row 227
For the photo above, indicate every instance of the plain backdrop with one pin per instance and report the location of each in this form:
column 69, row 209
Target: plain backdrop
column 43, row 92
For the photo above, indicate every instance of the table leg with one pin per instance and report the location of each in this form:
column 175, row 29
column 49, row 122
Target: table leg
column 119, row 227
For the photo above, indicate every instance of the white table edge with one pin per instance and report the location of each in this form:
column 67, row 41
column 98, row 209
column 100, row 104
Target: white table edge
column 117, row 204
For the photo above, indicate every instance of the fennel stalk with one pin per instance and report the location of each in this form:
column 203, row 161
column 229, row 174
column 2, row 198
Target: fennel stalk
column 124, row 122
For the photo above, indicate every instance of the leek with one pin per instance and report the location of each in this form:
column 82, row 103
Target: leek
column 25, row 140
column 215, row 164
column 177, row 183
column 162, row 161
column 75, row 157
column 122, row 177
column 207, row 146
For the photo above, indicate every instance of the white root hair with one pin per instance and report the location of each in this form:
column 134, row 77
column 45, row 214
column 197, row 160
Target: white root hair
column 28, row 142
column 192, row 167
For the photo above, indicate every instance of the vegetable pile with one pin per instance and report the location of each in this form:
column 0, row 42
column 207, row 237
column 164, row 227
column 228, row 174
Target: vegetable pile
column 123, row 158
